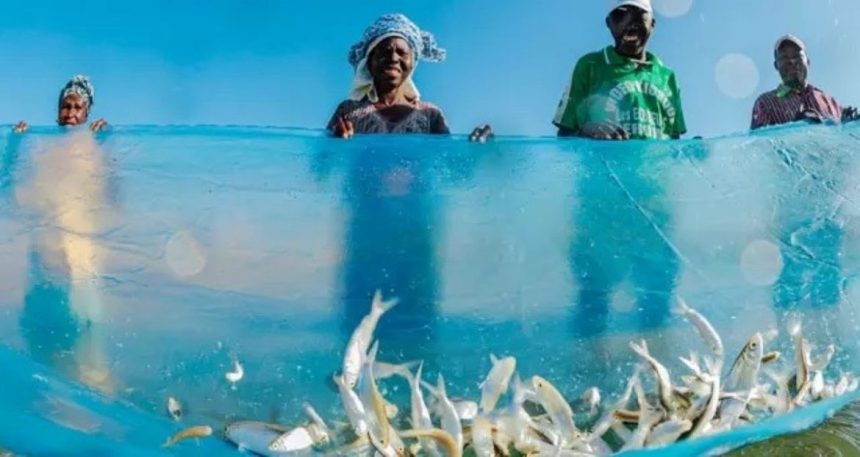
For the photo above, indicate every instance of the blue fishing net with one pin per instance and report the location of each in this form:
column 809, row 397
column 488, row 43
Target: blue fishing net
column 142, row 263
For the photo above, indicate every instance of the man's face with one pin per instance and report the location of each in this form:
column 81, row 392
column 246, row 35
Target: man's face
column 631, row 28
column 792, row 64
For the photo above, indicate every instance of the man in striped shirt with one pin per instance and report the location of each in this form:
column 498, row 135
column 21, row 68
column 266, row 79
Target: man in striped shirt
column 795, row 99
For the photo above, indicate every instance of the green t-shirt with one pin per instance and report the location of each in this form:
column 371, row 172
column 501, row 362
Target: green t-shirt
column 642, row 97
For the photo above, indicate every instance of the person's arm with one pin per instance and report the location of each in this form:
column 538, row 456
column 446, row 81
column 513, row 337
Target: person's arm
column 438, row 125
column 842, row 114
column 759, row 115
column 339, row 126
column 566, row 132
column 850, row 114
column 99, row 125
column 566, row 117
column 679, row 122
column 481, row 133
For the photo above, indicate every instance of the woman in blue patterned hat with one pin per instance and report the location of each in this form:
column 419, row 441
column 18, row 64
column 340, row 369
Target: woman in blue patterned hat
column 384, row 98
column 76, row 101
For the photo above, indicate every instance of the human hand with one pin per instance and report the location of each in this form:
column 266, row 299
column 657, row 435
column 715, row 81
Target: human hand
column 604, row 130
column 20, row 127
column 809, row 115
column 481, row 134
column 850, row 113
column 344, row 128
column 99, row 125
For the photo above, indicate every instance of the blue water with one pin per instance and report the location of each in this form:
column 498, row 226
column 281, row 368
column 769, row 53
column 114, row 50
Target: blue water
column 137, row 264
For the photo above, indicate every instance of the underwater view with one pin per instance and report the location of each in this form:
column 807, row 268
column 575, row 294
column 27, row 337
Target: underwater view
column 523, row 274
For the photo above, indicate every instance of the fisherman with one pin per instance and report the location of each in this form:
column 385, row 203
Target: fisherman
column 623, row 92
column 795, row 99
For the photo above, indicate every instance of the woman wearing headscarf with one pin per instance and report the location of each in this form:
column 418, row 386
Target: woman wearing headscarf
column 74, row 106
column 67, row 185
column 384, row 98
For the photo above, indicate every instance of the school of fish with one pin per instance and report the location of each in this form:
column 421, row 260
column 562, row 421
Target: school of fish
column 712, row 397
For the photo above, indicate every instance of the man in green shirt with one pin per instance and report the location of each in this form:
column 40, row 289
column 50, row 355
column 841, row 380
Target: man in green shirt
column 623, row 92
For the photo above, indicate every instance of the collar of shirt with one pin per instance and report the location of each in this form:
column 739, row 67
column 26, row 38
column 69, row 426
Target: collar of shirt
column 784, row 91
column 612, row 57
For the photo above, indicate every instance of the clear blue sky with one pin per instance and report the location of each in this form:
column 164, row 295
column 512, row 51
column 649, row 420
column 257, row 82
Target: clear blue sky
column 282, row 62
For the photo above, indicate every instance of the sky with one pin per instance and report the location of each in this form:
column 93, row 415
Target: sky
column 283, row 62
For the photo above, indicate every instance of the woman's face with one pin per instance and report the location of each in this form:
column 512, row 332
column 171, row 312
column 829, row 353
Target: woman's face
column 391, row 62
column 73, row 110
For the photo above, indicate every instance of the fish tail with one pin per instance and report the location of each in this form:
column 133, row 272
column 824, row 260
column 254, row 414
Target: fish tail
column 430, row 388
column 440, row 386
column 404, row 370
column 681, row 307
column 416, row 380
column 380, row 307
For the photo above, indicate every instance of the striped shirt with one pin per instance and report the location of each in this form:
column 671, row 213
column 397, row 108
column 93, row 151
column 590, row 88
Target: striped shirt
column 784, row 104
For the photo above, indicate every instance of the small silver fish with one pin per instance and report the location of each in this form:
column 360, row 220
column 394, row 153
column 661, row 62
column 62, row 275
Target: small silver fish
column 648, row 418
column 816, row 385
column 661, row 374
column 236, row 375
column 824, row 361
column 443, row 438
column 174, row 408
column 602, row 425
column 318, row 429
column 447, row 412
column 297, row 439
column 741, row 381
column 591, row 397
column 383, row 449
column 420, row 415
column 800, row 353
column 558, row 409
column 198, row 431
column 783, row 402
column 496, row 383
column 841, row 386
column 353, row 407
column 668, row 432
column 359, row 342
column 254, row 436
column 704, row 327
column 374, row 403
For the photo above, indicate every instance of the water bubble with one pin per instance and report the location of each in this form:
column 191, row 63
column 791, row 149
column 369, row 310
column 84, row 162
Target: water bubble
column 623, row 301
column 737, row 75
column 761, row 262
column 184, row 255
column 673, row 8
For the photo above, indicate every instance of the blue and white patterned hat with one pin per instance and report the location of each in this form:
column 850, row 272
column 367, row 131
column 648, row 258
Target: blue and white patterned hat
column 422, row 43
column 79, row 85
